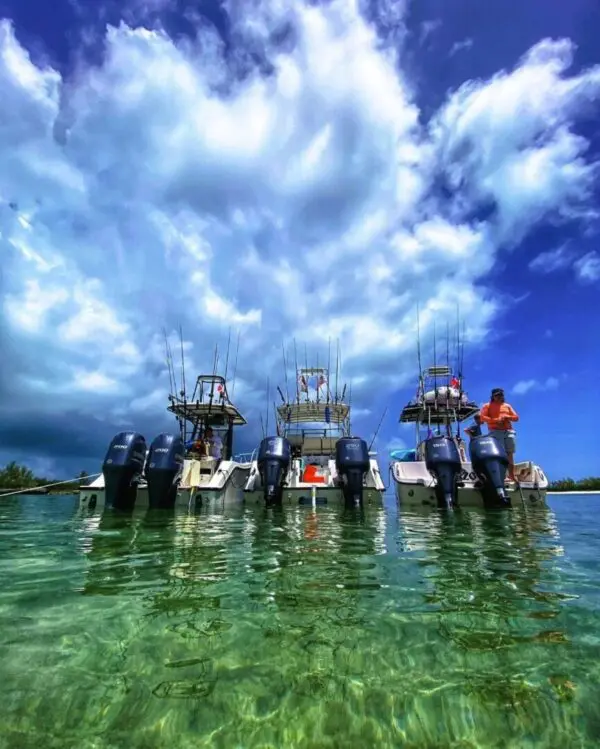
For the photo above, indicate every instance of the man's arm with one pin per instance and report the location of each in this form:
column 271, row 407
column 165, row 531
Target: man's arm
column 483, row 413
column 513, row 415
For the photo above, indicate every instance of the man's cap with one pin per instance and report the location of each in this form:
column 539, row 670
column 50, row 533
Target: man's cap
column 497, row 391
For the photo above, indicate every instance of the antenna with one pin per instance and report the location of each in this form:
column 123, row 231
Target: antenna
column 237, row 349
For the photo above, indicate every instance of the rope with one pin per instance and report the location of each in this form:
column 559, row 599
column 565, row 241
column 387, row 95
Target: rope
column 49, row 486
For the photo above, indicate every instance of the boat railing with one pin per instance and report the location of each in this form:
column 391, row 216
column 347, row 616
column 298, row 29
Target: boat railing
column 313, row 432
column 247, row 457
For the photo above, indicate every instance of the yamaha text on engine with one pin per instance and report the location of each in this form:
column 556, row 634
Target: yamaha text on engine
column 489, row 461
column 352, row 463
column 274, row 455
column 122, row 469
column 442, row 460
column 163, row 470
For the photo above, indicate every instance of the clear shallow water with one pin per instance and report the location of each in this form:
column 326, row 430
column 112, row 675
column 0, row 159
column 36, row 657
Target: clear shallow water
column 242, row 627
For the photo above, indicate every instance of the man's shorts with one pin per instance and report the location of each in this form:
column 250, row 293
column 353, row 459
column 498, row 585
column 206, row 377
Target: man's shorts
column 506, row 437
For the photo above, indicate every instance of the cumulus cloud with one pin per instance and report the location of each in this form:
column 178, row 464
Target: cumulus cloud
column 300, row 196
column 524, row 386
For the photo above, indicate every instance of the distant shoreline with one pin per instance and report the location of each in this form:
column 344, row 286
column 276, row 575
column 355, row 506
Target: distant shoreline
column 581, row 491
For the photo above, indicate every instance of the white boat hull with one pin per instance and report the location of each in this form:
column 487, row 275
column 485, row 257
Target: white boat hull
column 327, row 491
column 415, row 486
column 315, row 494
column 224, row 485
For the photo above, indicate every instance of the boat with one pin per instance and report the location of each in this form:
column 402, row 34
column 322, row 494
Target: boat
column 175, row 470
column 313, row 458
column 442, row 470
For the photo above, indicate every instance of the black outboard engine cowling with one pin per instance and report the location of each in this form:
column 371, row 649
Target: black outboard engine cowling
column 163, row 470
column 442, row 460
column 122, row 469
column 274, row 456
column 352, row 463
column 489, row 461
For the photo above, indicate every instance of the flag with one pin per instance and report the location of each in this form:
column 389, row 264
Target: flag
column 455, row 383
column 321, row 381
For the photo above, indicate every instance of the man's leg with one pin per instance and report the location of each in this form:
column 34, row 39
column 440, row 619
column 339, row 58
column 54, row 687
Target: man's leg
column 510, row 445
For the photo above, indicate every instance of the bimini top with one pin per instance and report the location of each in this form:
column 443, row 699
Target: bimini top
column 311, row 411
column 428, row 413
column 208, row 413
column 209, row 404
column 440, row 399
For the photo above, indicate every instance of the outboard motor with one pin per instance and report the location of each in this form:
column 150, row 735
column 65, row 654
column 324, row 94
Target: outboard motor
column 274, row 455
column 122, row 469
column 163, row 470
column 489, row 461
column 352, row 463
column 442, row 460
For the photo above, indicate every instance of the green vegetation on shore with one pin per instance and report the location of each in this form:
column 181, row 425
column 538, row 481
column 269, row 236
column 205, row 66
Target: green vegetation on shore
column 590, row 484
column 14, row 476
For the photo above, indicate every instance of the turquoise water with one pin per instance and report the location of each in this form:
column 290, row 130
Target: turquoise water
column 241, row 627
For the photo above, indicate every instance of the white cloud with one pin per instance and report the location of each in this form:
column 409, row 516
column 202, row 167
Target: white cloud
column 163, row 187
column 551, row 260
column 587, row 267
column 458, row 46
column 509, row 141
column 524, row 386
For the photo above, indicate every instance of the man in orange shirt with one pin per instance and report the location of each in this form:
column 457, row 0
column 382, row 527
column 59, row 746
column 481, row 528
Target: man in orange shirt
column 499, row 416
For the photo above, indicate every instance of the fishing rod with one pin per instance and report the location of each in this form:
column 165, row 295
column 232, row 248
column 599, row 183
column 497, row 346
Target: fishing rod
column 227, row 356
column 337, row 370
column 297, row 373
column 448, row 381
column 267, row 409
column 378, row 427
column 328, row 369
column 237, row 349
column 287, row 391
column 183, row 426
column 435, row 389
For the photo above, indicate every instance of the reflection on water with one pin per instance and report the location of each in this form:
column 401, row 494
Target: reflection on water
column 307, row 627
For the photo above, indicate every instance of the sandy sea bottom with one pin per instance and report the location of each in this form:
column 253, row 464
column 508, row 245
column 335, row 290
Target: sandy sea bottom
column 312, row 628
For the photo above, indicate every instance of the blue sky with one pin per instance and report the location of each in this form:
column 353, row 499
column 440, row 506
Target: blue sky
column 292, row 169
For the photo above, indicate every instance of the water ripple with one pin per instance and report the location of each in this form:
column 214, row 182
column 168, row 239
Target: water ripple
column 298, row 627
